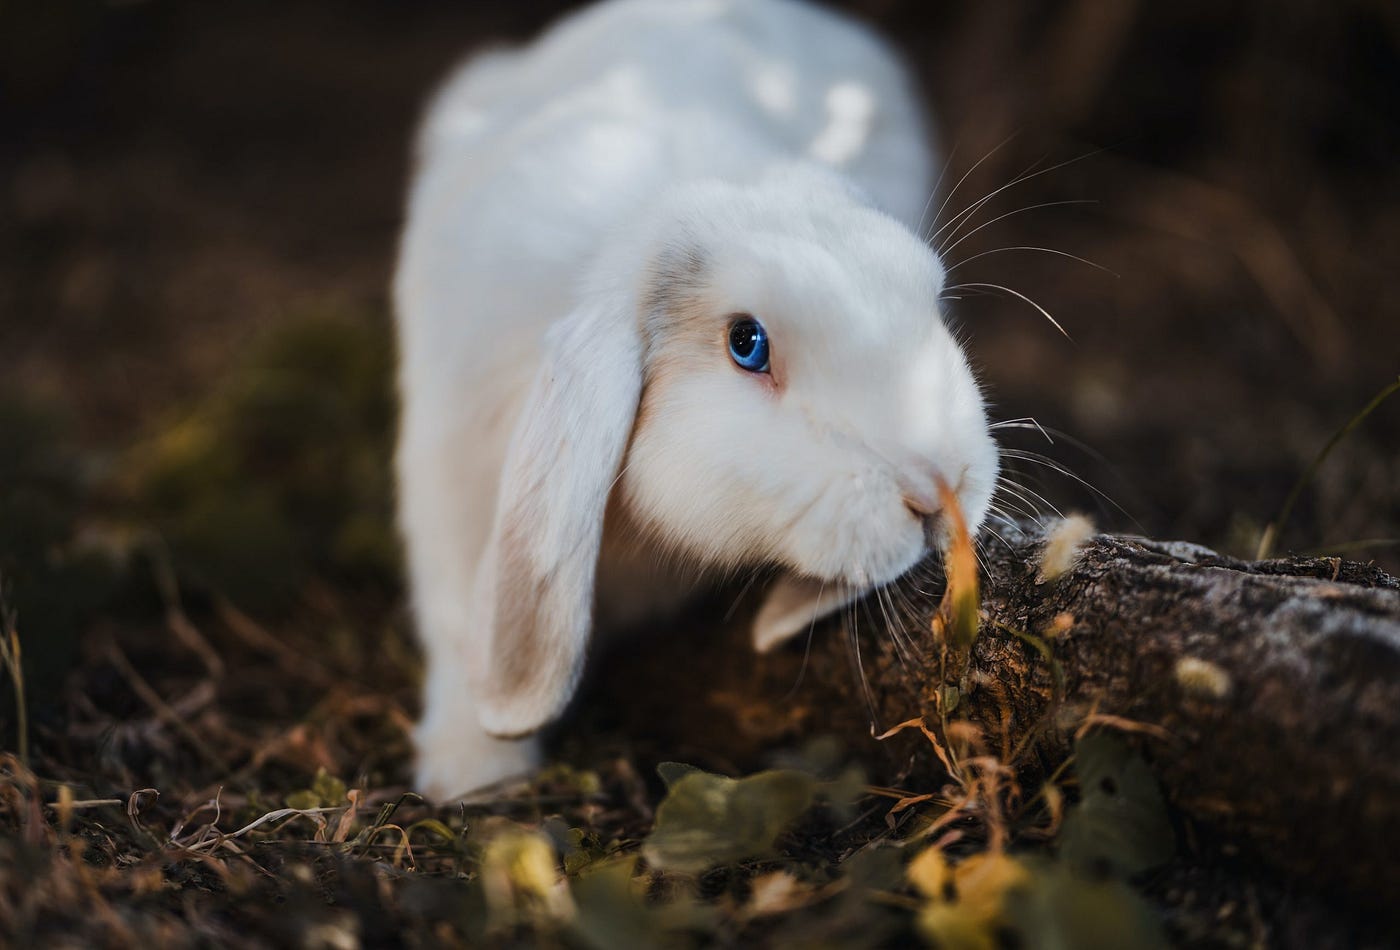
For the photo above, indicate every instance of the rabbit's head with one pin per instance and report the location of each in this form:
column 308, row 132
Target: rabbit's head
column 760, row 376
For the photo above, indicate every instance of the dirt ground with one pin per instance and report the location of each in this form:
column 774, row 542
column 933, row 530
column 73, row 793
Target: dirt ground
column 186, row 188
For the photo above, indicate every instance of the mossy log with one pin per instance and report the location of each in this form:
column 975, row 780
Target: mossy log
column 1272, row 690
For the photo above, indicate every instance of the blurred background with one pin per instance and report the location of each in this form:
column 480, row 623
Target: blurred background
column 199, row 206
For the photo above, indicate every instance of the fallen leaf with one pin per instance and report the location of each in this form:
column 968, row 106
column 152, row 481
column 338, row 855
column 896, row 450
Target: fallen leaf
column 521, row 881
column 930, row 873
column 1057, row 909
column 707, row 820
column 1120, row 824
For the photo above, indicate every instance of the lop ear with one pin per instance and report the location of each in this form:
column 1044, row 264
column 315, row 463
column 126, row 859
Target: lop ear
column 560, row 467
column 793, row 604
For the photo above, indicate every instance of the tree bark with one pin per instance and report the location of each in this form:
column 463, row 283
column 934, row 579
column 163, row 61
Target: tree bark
column 1277, row 684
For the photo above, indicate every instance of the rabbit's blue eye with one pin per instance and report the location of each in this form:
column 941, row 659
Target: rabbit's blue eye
column 748, row 345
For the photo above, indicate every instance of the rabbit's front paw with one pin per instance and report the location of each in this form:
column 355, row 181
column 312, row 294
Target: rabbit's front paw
column 458, row 758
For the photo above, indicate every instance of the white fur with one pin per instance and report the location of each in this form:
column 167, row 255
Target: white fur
column 587, row 216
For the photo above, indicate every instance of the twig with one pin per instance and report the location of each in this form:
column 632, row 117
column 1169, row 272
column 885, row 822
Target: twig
column 219, row 837
column 175, row 618
column 1271, row 533
column 160, row 707
column 13, row 659
column 86, row 803
column 1123, row 724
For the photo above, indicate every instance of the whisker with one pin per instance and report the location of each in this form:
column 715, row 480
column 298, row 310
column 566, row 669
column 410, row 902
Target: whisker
column 994, row 532
column 909, row 616
column 893, row 623
column 853, row 640
column 1015, row 492
column 1006, row 521
column 806, row 650
column 1051, row 435
column 977, row 553
column 966, row 175
column 1024, row 510
column 911, row 613
column 1030, row 247
column 995, row 511
column 1045, row 461
column 951, row 243
column 880, row 602
column 1040, row 498
column 1060, row 434
column 1043, row 312
column 1025, row 176
column 933, row 194
column 753, row 578
column 1027, row 422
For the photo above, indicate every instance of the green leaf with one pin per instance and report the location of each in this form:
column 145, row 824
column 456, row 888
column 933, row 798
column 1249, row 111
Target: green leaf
column 328, row 788
column 1056, row 909
column 673, row 772
column 435, row 827
column 1120, row 824
column 995, row 900
column 842, row 794
column 708, row 820
column 581, row 848
column 303, row 799
column 610, row 911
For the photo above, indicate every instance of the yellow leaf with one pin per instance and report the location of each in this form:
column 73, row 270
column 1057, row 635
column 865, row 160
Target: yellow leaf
column 968, row 914
column 983, row 880
column 930, row 874
column 520, row 880
column 951, row 927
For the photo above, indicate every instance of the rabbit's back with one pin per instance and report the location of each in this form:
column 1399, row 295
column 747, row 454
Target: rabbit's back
column 529, row 157
column 779, row 75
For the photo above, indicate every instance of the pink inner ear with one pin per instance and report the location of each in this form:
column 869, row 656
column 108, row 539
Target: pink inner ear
column 558, row 473
column 541, row 623
column 794, row 603
column 518, row 658
column 540, row 634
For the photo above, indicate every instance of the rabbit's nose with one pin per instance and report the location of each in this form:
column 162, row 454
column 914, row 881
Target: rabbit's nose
column 924, row 502
column 928, row 511
column 921, row 504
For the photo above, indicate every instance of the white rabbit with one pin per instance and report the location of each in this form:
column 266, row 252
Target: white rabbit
column 662, row 315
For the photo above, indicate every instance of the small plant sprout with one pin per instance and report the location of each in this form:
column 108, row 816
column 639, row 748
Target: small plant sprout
column 1062, row 546
column 1201, row 679
column 957, row 618
column 1275, row 527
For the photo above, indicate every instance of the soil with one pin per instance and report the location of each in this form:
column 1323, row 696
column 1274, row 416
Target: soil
column 182, row 183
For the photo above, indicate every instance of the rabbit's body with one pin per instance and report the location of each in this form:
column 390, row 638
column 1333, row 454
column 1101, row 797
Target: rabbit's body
column 582, row 189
